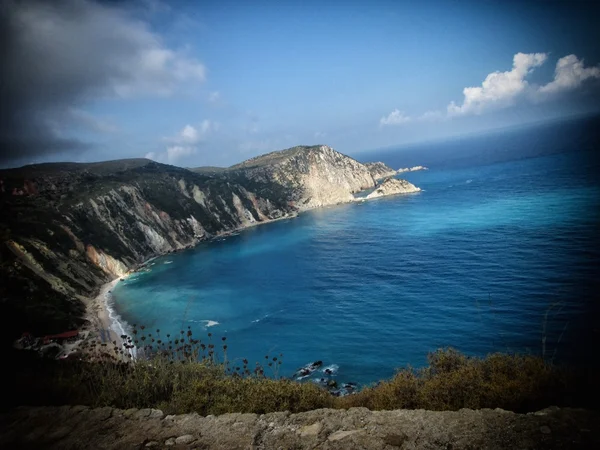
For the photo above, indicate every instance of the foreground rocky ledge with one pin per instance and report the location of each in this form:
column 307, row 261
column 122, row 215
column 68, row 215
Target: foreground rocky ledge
column 107, row 428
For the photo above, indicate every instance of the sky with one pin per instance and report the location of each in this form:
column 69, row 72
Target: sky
column 216, row 82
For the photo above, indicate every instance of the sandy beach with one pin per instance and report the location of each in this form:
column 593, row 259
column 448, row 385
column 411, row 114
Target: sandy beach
column 101, row 316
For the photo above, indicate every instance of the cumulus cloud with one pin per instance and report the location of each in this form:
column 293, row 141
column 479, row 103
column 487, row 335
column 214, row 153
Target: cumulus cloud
column 504, row 89
column 214, row 97
column 499, row 89
column 172, row 154
column 569, row 74
column 177, row 152
column 396, row 117
column 59, row 56
column 185, row 142
column 190, row 135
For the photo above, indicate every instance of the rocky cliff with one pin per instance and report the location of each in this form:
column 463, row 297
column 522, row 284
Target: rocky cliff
column 392, row 186
column 313, row 176
column 68, row 228
column 379, row 170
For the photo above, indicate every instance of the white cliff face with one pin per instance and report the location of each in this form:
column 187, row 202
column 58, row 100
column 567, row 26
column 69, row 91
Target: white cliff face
column 393, row 186
column 314, row 176
column 332, row 178
column 379, row 170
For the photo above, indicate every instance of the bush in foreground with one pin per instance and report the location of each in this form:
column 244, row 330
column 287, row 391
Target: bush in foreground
column 192, row 383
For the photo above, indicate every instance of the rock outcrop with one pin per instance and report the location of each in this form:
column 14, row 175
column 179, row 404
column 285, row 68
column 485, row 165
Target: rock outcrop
column 392, row 186
column 357, row 428
column 68, row 228
column 379, row 170
column 313, row 176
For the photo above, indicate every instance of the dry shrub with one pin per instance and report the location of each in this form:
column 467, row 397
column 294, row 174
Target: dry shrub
column 192, row 379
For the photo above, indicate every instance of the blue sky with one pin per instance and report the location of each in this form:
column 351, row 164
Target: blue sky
column 213, row 83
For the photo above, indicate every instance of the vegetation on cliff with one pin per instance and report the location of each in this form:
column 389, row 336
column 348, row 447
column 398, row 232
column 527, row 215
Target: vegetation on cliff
column 182, row 374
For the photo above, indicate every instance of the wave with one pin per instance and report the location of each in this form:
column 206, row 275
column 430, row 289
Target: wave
column 267, row 316
column 330, row 369
column 207, row 323
column 116, row 323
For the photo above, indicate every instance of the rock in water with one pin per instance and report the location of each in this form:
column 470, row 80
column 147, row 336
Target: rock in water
column 393, row 186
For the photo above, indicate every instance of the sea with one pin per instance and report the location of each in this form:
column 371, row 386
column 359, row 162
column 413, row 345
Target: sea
column 499, row 252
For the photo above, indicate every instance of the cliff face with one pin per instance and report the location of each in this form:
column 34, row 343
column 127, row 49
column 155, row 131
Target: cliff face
column 314, row 176
column 68, row 228
column 392, row 186
column 379, row 170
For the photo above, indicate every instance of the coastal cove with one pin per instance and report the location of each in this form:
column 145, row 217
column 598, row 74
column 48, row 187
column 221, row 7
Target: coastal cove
column 475, row 261
column 105, row 321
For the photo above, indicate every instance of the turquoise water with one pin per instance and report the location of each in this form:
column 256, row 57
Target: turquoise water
column 475, row 261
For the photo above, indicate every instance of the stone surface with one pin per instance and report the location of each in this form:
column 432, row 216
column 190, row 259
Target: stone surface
column 379, row 170
column 356, row 428
column 308, row 430
column 185, row 439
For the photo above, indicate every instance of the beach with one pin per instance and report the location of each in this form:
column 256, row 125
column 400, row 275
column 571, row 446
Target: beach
column 102, row 317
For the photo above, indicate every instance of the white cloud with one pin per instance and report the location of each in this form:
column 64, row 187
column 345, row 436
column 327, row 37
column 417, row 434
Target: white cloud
column 504, row 89
column 396, row 117
column 185, row 142
column 320, row 134
column 173, row 154
column 178, row 152
column 569, row 74
column 214, row 97
column 191, row 135
column 499, row 89
column 66, row 54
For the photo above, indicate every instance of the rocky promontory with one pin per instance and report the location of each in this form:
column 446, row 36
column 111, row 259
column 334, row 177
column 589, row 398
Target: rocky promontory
column 380, row 170
column 393, row 186
column 68, row 228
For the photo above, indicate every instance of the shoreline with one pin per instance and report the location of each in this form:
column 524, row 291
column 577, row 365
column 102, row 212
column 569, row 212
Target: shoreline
column 100, row 313
column 105, row 320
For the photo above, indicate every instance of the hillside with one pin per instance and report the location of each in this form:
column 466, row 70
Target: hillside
column 68, row 228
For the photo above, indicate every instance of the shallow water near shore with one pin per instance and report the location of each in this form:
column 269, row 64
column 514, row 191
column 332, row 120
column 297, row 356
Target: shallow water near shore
column 485, row 258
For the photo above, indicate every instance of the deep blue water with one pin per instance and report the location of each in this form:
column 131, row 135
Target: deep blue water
column 475, row 261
